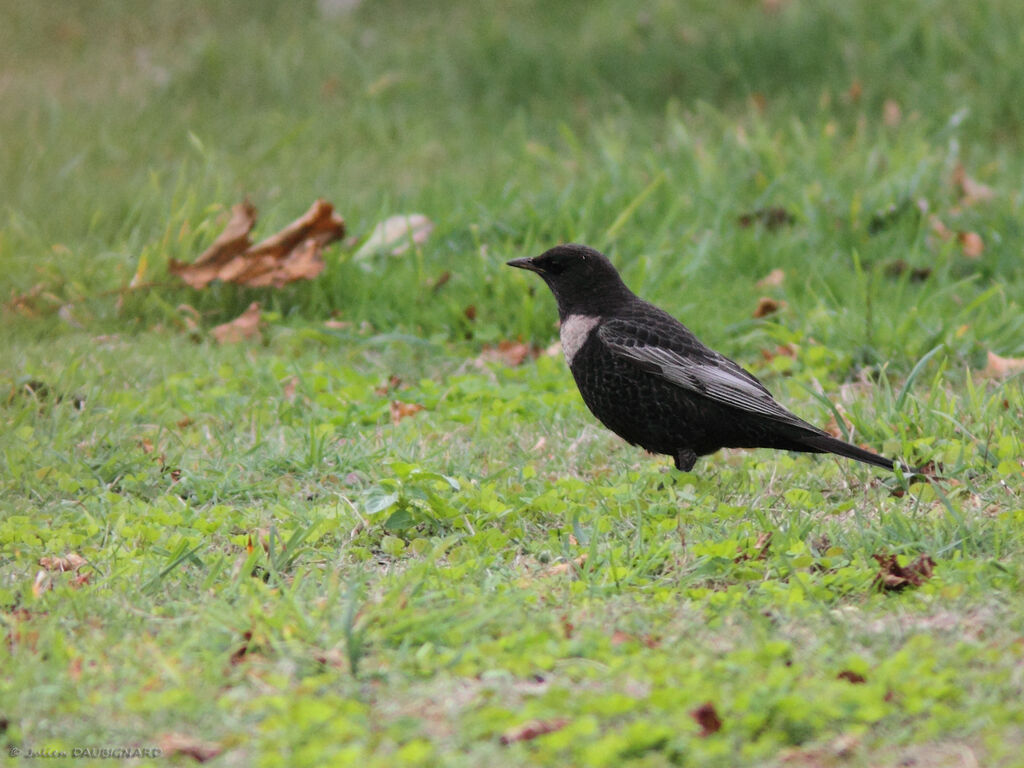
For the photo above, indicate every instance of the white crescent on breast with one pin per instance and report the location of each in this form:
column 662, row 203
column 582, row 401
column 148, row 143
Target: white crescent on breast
column 574, row 332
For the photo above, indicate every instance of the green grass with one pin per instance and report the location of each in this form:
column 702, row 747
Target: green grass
column 275, row 566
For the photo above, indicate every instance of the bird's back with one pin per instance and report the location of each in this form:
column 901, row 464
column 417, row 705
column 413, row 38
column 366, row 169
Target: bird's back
column 647, row 410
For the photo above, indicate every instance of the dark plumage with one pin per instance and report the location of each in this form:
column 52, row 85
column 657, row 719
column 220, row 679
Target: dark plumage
column 647, row 378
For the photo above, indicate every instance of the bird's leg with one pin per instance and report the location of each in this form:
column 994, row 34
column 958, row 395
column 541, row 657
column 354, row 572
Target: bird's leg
column 685, row 459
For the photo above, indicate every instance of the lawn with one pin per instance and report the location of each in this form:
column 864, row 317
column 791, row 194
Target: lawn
column 382, row 529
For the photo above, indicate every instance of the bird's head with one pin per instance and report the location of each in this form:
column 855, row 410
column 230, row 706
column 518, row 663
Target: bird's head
column 583, row 280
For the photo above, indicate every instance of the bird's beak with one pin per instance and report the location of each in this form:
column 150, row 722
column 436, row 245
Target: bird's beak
column 524, row 263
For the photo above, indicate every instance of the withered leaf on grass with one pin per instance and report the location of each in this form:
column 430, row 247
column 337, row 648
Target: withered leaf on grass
column 767, row 306
column 770, row 218
column 72, row 561
column 294, row 253
column 856, row 678
column 894, row 577
column 245, row 326
column 533, row 729
column 772, row 280
column 565, row 566
column 761, row 548
column 971, row 244
column 897, row 267
column 512, row 353
column 971, row 191
column 400, row 410
column 239, row 654
column 892, row 114
column 707, row 718
column 1001, row 367
column 189, row 746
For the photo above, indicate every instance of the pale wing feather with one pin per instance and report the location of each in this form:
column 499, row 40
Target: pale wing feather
column 717, row 378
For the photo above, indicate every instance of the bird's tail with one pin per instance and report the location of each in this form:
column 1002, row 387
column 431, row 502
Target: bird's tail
column 828, row 444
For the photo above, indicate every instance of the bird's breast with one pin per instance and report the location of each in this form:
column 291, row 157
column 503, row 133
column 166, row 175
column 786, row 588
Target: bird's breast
column 574, row 333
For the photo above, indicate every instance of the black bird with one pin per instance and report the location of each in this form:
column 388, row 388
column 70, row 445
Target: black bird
column 647, row 378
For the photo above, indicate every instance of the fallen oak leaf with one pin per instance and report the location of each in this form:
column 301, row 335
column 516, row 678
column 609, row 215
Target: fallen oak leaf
column 230, row 243
column 532, row 730
column 894, row 577
column 294, row 253
column 707, row 718
column 245, row 326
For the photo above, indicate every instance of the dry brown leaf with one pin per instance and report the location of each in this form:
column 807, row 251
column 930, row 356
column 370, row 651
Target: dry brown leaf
column 772, row 280
column 400, row 410
column 782, row 350
column 565, row 566
column 939, row 228
column 761, row 548
column 971, row 244
column 245, row 326
column 851, row 677
column 189, row 746
column 392, row 383
column 894, row 577
column 897, row 267
column 511, row 353
column 767, row 306
column 855, row 91
column 707, row 718
column 288, row 390
column 533, row 729
column 443, row 278
column 229, row 244
column 892, row 115
column 619, row 637
column 238, row 655
column 770, row 218
column 1001, row 367
column 294, row 253
column 72, row 561
column 971, row 191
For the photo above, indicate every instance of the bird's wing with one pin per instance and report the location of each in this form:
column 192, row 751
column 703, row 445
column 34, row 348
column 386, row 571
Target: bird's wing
column 701, row 370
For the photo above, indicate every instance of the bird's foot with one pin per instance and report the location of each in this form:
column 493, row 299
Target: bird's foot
column 685, row 459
